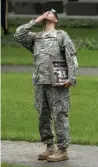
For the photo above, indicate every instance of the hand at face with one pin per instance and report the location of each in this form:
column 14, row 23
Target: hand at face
column 42, row 17
column 45, row 15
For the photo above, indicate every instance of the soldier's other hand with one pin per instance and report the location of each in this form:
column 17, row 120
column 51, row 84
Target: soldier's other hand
column 42, row 17
column 67, row 84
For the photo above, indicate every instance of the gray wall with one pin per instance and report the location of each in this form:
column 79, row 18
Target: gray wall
column 29, row 7
column 34, row 6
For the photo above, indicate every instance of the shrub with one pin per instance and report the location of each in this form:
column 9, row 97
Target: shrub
column 73, row 23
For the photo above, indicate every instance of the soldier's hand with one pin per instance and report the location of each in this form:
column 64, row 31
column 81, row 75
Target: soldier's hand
column 67, row 84
column 42, row 17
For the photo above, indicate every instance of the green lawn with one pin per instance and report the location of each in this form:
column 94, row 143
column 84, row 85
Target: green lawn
column 20, row 120
column 85, row 40
column 88, row 58
column 18, row 165
column 82, row 32
column 11, row 55
column 13, row 165
column 73, row 32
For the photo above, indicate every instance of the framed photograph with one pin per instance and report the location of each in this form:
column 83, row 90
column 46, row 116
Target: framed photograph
column 59, row 72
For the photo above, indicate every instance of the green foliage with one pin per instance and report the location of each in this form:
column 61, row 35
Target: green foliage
column 83, row 38
column 78, row 23
column 79, row 42
column 20, row 120
column 10, row 41
column 86, row 43
column 70, row 23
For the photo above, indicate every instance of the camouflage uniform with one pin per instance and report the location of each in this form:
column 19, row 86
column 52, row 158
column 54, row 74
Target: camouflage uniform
column 50, row 100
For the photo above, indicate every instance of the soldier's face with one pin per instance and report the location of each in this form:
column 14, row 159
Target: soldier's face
column 51, row 17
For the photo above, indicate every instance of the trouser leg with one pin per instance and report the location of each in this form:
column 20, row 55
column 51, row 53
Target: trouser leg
column 60, row 101
column 45, row 121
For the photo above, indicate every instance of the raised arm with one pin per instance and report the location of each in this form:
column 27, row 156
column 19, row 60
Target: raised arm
column 24, row 35
column 71, row 59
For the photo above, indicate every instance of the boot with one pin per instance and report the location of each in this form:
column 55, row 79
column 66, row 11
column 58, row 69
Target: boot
column 60, row 155
column 49, row 151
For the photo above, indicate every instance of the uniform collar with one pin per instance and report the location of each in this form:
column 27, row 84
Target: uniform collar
column 49, row 34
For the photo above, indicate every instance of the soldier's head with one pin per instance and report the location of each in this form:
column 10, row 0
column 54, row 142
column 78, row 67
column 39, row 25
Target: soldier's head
column 51, row 15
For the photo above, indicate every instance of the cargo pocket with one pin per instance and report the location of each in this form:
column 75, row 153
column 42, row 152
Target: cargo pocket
column 65, row 104
column 35, row 74
column 38, row 98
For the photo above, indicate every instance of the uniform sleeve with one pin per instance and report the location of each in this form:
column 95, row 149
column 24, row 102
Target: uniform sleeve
column 71, row 59
column 24, row 36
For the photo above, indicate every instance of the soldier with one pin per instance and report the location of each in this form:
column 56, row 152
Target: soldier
column 49, row 44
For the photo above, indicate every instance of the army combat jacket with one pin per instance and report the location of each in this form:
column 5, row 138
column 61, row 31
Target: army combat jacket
column 56, row 45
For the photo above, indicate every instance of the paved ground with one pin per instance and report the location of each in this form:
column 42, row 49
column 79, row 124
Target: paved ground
column 29, row 68
column 26, row 153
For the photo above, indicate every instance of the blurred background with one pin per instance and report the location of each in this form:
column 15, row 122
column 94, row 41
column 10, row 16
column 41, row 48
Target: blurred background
column 65, row 7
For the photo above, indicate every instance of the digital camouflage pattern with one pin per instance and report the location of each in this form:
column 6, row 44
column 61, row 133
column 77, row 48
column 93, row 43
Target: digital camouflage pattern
column 55, row 45
column 53, row 102
column 50, row 101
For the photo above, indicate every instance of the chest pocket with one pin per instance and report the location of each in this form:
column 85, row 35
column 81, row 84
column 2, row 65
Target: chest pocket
column 48, row 45
column 37, row 46
column 52, row 47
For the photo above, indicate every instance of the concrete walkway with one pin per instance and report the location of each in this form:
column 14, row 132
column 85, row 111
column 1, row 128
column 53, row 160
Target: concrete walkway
column 29, row 68
column 26, row 153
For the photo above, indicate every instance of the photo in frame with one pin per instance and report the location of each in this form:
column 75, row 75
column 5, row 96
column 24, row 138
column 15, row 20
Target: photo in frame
column 58, row 72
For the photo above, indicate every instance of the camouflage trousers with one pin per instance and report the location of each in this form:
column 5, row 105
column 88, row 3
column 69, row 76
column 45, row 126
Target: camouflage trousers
column 53, row 102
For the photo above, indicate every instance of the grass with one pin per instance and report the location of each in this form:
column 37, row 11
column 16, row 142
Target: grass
column 73, row 32
column 84, row 38
column 20, row 119
column 88, row 58
column 82, row 32
column 13, row 165
column 21, row 56
column 17, row 165
column 17, row 99
column 11, row 55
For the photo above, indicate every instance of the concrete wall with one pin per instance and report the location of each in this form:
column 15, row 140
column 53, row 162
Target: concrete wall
column 88, row 1
column 82, row 8
column 29, row 7
column 34, row 7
